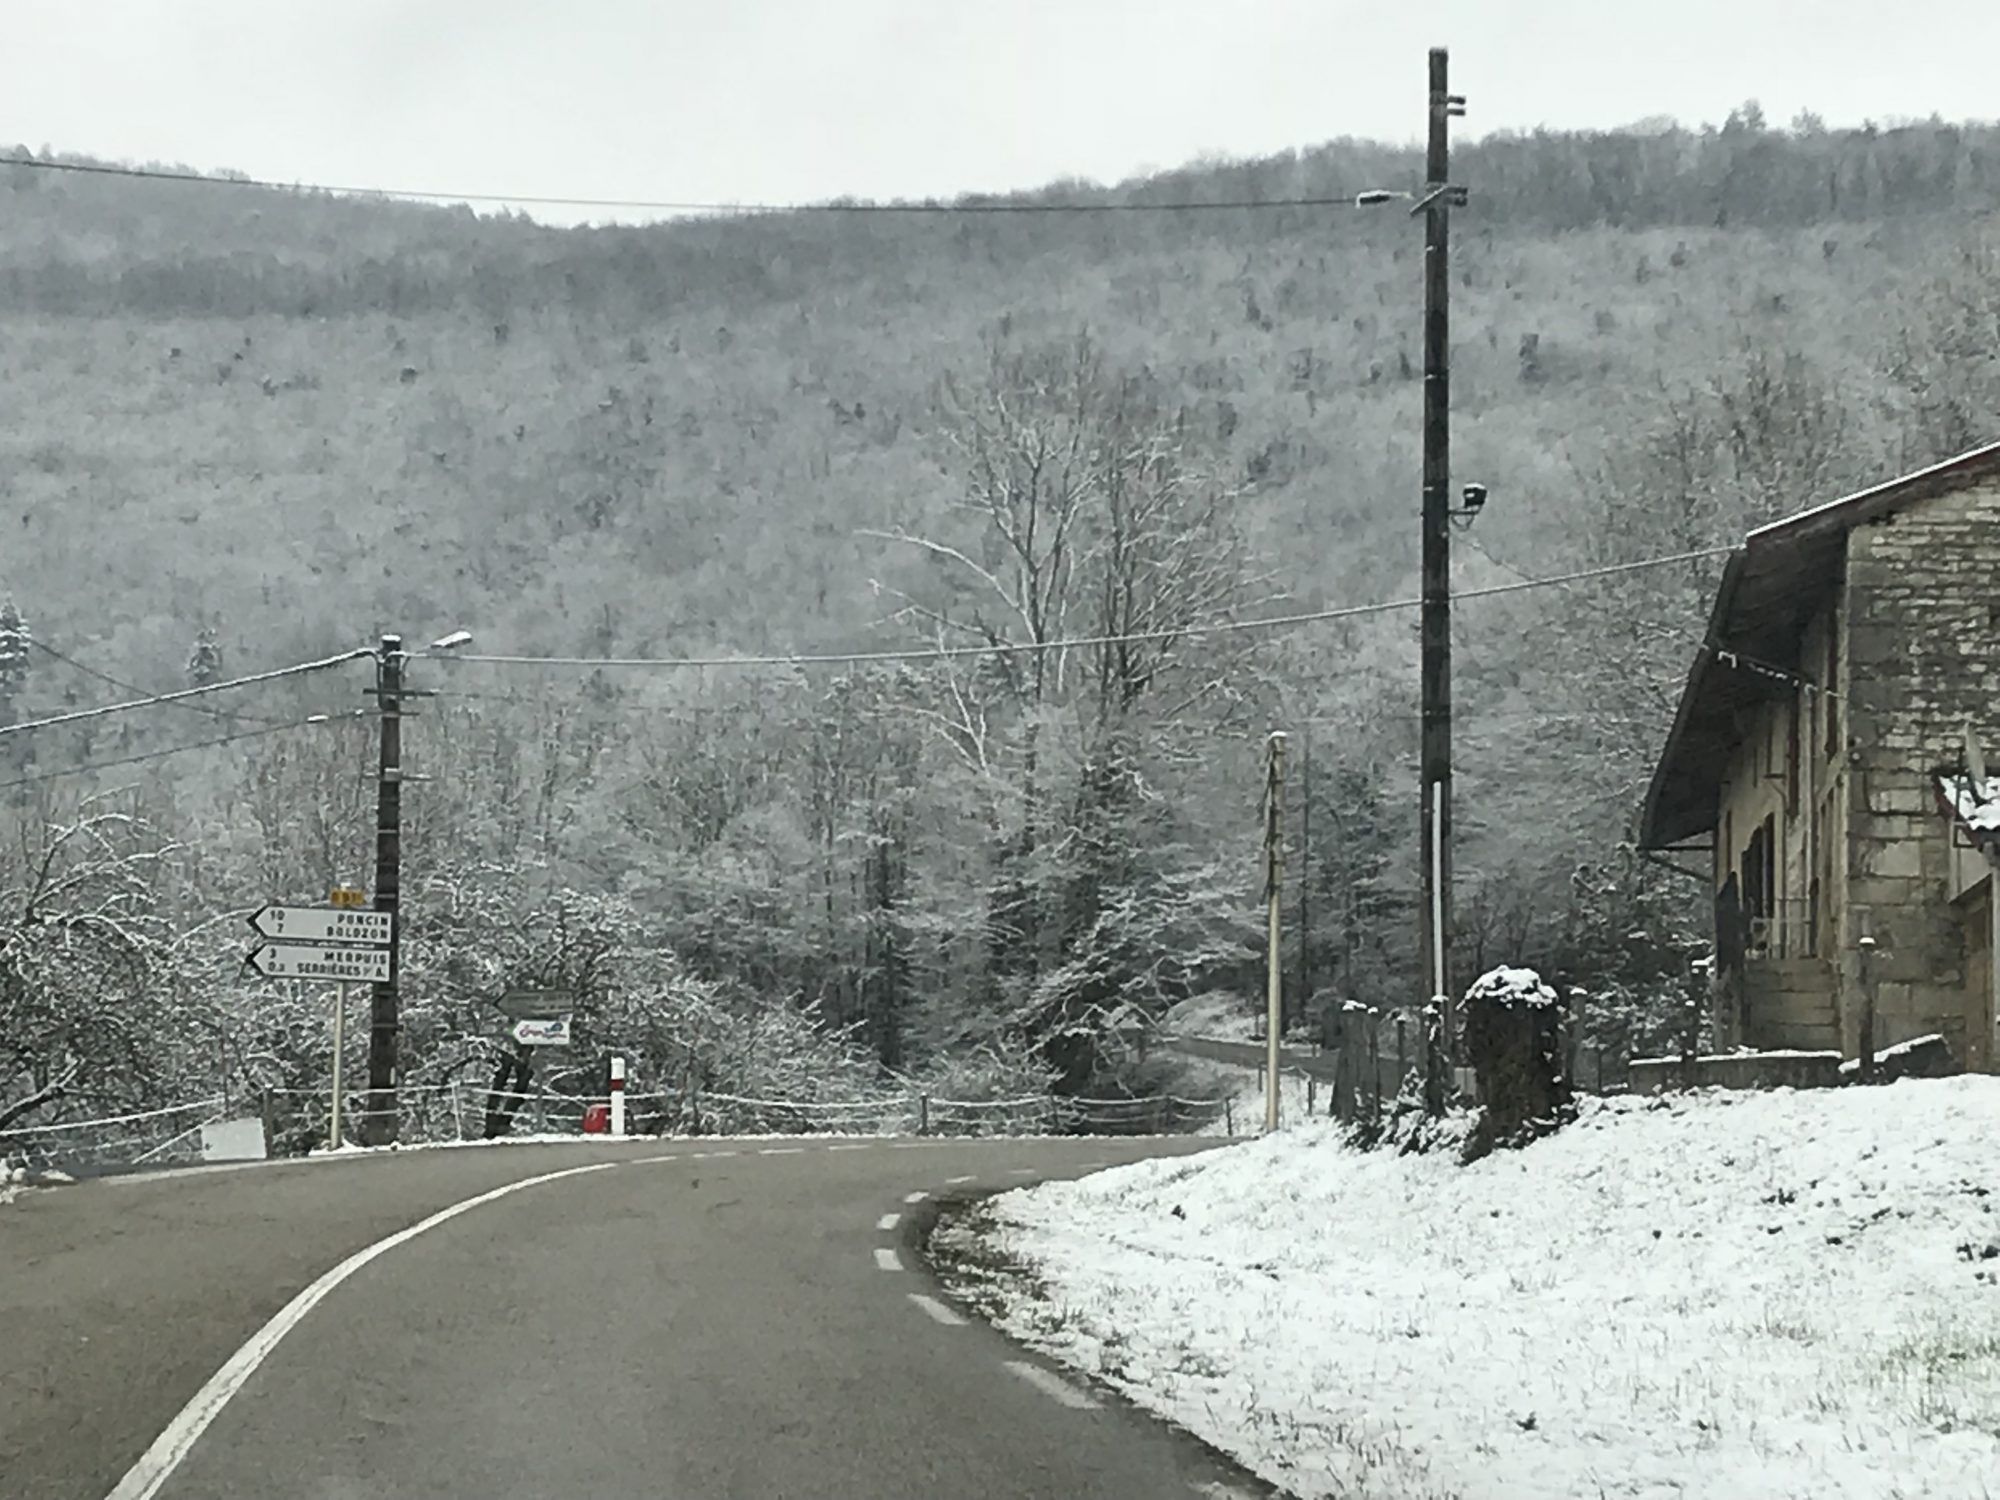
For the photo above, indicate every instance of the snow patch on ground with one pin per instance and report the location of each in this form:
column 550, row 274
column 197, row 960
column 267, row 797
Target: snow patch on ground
column 1705, row 1297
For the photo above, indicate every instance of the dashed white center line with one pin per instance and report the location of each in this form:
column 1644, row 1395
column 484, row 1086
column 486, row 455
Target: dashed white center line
column 1021, row 1172
column 887, row 1259
column 1053, row 1386
column 1095, row 1166
column 858, row 1146
column 888, row 1221
column 723, row 1153
column 955, row 1181
column 937, row 1310
column 915, row 1197
column 781, row 1150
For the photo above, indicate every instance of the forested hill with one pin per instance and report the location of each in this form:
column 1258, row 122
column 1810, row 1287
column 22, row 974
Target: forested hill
column 277, row 424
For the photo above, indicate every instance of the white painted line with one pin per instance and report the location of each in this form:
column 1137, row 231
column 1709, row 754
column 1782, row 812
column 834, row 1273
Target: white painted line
column 955, row 1181
column 862, row 1146
column 1053, row 1386
column 888, row 1221
column 887, row 1259
column 157, row 1464
column 725, row 1153
column 937, row 1310
column 781, row 1151
column 1095, row 1166
column 915, row 1197
column 909, row 1145
column 1021, row 1172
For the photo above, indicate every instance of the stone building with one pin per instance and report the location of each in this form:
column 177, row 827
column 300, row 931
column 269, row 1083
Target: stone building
column 1829, row 754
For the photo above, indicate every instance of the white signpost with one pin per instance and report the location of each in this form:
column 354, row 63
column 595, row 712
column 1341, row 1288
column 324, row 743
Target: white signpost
column 342, row 942
column 299, row 961
column 323, row 924
column 542, row 1031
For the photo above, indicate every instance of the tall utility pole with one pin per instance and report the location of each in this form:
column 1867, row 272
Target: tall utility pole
column 1274, row 890
column 1305, row 876
column 1435, row 756
column 384, row 1022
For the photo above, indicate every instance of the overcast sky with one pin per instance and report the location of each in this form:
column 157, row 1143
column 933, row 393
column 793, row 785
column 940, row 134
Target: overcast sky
column 783, row 100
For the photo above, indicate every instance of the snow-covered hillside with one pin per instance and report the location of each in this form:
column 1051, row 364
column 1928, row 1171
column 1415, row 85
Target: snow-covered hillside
column 1725, row 1296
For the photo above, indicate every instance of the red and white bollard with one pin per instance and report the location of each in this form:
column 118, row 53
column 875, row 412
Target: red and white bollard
column 617, row 1096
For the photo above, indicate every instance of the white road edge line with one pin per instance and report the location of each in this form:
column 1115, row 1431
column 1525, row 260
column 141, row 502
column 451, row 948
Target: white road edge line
column 1052, row 1386
column 937, row 1310
column 781, row 1151
column 955, row 1181
column 888, row 1221
column 861, row 1146
column 915, row 1197
column 157, row 1464
column 887, row 1259
column 1022, row 1172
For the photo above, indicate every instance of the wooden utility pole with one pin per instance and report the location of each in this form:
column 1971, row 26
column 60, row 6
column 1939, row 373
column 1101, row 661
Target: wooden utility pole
column 1304, row 989
column 384, row 1023
column 1435, row 756
column 1274, row 890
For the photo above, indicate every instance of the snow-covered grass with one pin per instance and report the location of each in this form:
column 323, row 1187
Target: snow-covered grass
column 1723, row 1296
column 1244, row 1088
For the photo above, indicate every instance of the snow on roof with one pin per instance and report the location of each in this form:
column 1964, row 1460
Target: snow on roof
column 1976, row 805
column 1713, row 1296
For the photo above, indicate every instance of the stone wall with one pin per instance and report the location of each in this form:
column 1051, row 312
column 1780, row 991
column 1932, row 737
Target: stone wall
column 1922, row 612
column 1738, row 1070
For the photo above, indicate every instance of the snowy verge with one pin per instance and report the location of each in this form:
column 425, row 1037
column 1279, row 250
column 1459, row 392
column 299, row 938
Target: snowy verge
column 1708, row 1297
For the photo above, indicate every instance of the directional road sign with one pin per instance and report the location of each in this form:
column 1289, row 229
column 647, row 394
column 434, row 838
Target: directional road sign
column 535, row 1005
column 323, row 924
column 548, row 1031
column 318, row 961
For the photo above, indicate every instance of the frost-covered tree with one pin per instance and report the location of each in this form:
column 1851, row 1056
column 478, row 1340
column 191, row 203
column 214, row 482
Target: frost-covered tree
column 204, row 664
column 15, row 648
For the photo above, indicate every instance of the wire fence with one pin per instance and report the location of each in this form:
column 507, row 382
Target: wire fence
column 133, row 1138
column 297, row 1122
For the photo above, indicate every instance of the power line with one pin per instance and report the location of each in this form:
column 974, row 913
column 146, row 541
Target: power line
column 127, row 687
column 156, row 699
column 1704, row 644
column 162, row 174
column 162, row 753
column 1069, row 643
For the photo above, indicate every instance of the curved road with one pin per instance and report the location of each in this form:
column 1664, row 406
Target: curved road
column 698, row 1319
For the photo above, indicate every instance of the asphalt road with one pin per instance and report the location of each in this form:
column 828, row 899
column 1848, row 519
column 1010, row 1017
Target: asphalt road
column 1292, row 1057
column 739, row 1319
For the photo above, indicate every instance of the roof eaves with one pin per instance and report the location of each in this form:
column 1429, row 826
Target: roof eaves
column 1684, row 712
column 1851, row 510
